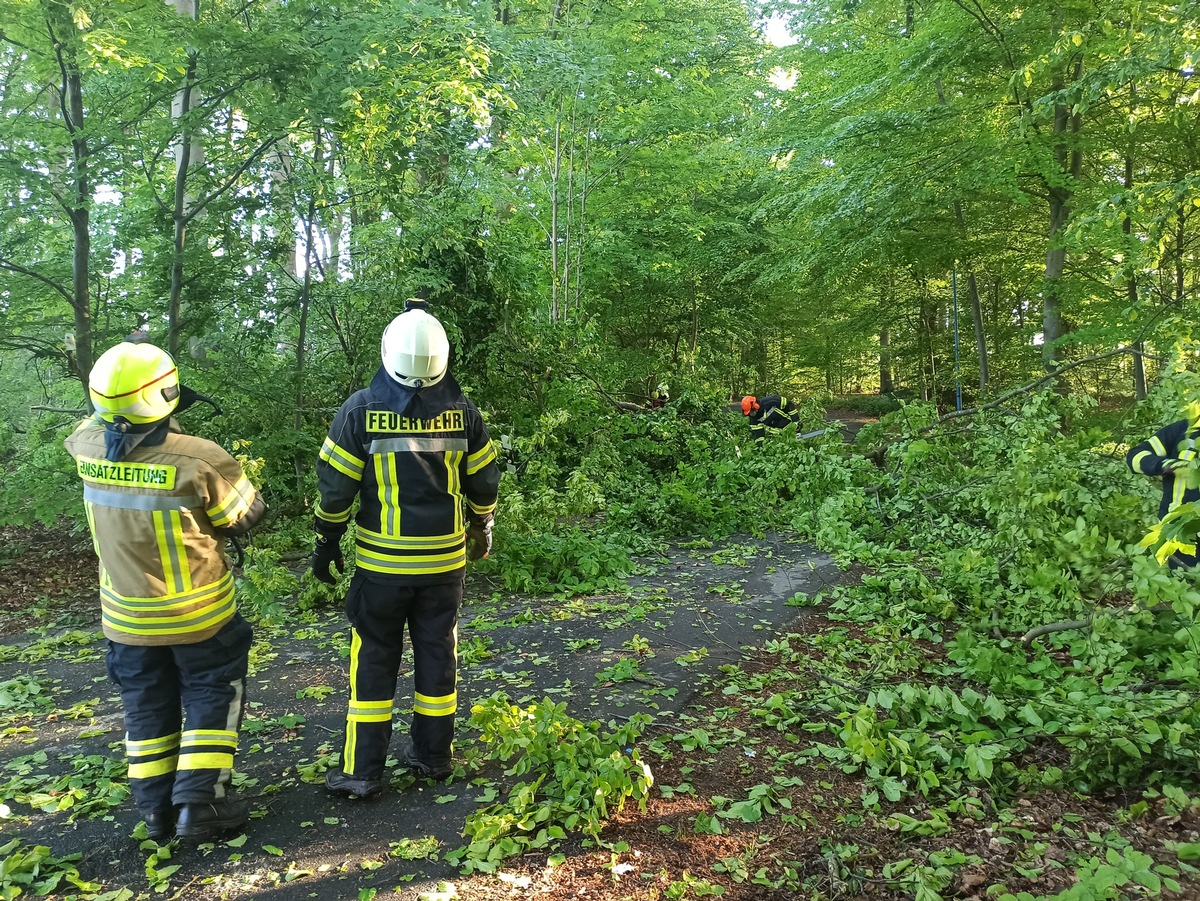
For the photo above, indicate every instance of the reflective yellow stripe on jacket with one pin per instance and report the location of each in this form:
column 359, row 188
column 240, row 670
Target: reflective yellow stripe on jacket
column 234, row 505
column 177, row 614
column 342, row 460
column 481, row 458
column 410, row 564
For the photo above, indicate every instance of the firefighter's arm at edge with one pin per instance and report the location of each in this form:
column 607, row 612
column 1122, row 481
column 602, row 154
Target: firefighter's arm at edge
column 1155, row 455
column 481, row 475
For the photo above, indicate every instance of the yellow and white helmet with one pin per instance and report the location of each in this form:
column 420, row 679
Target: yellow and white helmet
column 415, row 350
column 138, row 382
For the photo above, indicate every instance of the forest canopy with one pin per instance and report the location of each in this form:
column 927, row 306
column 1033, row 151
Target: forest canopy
column 902, row 198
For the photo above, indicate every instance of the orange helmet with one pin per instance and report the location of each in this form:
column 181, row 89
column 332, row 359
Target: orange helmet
column 749, row 402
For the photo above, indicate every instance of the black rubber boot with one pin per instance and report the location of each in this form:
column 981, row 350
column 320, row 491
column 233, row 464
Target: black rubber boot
column 341, row 784
column 409, row 760
column 202, row 819
column 160, row 824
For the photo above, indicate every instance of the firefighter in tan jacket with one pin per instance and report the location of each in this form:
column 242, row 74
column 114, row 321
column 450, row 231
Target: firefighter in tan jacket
column 160, row 505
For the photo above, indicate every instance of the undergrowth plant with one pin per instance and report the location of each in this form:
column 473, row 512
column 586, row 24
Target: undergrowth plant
column 572, row 776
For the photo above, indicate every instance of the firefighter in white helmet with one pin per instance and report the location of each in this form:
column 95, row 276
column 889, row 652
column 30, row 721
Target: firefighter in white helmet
column 161, row 505
column 414, row 451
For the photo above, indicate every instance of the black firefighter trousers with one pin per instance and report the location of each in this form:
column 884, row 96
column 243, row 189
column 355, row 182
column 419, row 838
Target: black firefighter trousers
column 183, row 708
column 378, row 612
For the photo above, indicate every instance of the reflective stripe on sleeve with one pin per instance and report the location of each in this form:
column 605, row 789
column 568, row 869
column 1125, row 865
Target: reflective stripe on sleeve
column 481, row 458
column 234, row 505
column 323, row 514
column 1158, row 447
column 342, row 460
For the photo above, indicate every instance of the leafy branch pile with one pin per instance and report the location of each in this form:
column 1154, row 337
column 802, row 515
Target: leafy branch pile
column 973, row 534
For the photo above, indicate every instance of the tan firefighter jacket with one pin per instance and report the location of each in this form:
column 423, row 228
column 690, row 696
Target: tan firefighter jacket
column 159, row 521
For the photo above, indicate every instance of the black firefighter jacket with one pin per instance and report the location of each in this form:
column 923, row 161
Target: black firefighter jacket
column 413, row 457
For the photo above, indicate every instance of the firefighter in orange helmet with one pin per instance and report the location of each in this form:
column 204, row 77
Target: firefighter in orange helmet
column 771, row 411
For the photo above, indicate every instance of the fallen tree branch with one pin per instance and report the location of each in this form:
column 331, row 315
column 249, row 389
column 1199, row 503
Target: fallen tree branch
column 43, row 409
column 1048, row 628
column 1032, row 386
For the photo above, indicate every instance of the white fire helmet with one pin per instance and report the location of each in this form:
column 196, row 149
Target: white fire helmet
column 415, row 350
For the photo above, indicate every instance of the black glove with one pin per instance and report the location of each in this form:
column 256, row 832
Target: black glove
column 479, row 538
column 328, row 550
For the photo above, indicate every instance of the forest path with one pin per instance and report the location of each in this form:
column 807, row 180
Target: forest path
column 680, row 620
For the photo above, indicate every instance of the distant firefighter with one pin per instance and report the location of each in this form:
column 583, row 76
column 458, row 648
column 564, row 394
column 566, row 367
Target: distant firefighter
column 772, row 411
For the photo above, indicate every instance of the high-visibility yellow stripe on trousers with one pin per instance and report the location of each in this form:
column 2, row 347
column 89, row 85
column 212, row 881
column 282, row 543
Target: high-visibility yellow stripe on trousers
column 428, row 705
column 207, row 749
column 150, row 757
column 359, row 710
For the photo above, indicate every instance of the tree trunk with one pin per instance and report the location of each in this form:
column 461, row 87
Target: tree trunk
column 185, row 155
column 885, row 361
column 300, row 462
column 980, row 336
column 1070, row 162
column 1131, row 289
column 81, row 231
column 1180, row 241
column 335, row 226
column 78, row 200
column 1053, row 325
column 972, row 283
column 554, row 177
column 580, row 227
